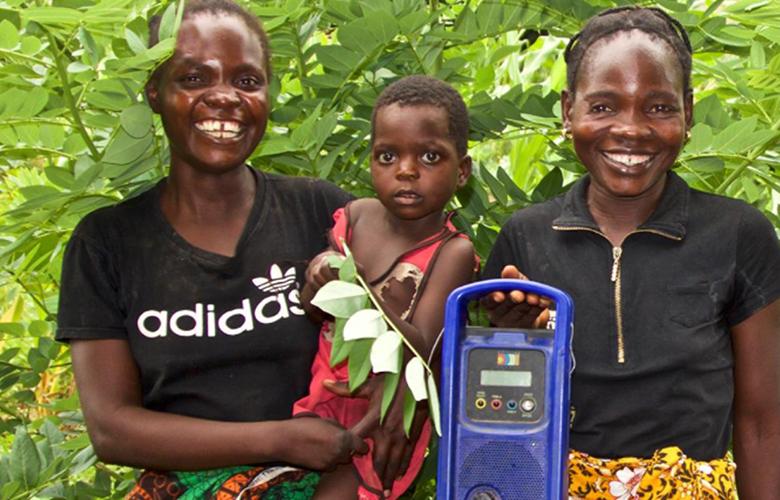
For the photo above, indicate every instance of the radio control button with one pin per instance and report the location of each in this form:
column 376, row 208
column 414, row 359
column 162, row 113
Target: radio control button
column 496, row 404
column 511, row 404
column 528, row 405
column 480, row 403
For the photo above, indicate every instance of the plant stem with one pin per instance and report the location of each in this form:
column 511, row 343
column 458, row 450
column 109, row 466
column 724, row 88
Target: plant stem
column 38, row 149
column 69, row 101
column 12, row 53
column 301, row 66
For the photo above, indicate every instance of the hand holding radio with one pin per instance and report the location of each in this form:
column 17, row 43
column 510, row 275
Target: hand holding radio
column 516, row 309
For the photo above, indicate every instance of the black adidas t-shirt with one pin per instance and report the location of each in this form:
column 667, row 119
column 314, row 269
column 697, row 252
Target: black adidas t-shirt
column 214, row 337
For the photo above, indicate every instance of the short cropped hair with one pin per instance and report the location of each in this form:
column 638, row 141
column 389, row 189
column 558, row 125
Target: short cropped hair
column 608, row 23
column 216, row 7
column 420, row 90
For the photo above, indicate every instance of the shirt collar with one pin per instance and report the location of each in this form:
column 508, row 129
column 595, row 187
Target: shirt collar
column 670, row 218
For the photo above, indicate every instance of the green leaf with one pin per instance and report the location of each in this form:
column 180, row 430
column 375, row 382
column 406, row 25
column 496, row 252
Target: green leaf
column 337, row 58
column 59, row 177
column 25, row 464
column 410, row 404
column 48, row 347
column 167, row 22
column 302, row 136
column 347, row 269
column 34, row 102
column 51, row 432
column 742, row 136
column 38, row 362
column 125, row 149
column 386, row 353
column 707, row 164
column 54, row 16
column 275, row 145
column 365, row 324
column 134, row 41
column 359, row 363
column 757, row 56
column 31, row 45
column 701, row 139
column 38, row 328
column 752, row 190
column 550, row 186
column 336, row 262
column 433, row 404
column 388, row 391
column 496, row 188
column 415, row 378
column 14, row 329
column 137, row 120
column 149, row 58
column 339, row 348
column 9, row 35
column 340, row 299
column 83, row 460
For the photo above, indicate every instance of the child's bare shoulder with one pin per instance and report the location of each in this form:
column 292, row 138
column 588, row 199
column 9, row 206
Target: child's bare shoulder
column 456, row 258
column 365, row 208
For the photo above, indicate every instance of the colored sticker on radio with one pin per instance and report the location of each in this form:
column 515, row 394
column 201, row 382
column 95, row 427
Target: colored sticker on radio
column 508, row 359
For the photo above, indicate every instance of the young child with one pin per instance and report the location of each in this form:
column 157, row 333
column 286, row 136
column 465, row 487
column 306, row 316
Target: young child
column 409, row 251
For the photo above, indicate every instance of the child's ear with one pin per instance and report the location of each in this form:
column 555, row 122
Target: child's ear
column 464, row 171
column 153, row 94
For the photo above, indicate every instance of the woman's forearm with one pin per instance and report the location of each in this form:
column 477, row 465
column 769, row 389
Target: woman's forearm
column 138, row 437
column 123, row 432
column 757, row 453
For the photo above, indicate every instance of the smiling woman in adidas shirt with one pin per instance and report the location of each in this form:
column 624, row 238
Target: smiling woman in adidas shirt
column 182, row 306
column 677, row 324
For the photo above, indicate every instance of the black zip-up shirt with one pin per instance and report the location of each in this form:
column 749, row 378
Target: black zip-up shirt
column 652, row 342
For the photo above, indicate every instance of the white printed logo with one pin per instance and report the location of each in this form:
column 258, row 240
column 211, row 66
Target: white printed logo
column 277, row 282
column 204, row 320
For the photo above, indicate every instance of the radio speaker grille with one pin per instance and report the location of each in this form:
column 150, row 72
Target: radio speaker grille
column 516, row 470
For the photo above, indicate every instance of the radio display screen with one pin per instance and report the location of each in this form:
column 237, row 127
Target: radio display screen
column 505, row 378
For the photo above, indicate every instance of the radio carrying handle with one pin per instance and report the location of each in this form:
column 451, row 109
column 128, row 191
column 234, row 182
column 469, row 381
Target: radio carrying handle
column 456, row 313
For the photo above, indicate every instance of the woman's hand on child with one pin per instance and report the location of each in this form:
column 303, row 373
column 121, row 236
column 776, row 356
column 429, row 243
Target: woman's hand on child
column 392, row 449
column 318, row 444
column 516, row 309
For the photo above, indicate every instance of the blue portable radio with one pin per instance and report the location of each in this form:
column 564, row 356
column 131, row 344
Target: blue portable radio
column 504, row 402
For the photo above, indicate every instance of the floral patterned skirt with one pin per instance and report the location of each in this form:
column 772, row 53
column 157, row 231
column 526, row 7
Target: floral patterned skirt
column 668, row 475
column 231, row 483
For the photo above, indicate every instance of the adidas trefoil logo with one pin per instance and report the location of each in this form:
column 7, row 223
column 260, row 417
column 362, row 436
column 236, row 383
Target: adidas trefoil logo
column 277, row 282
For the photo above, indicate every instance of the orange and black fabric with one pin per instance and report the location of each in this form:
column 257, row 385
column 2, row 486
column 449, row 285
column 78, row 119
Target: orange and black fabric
column 667, row 475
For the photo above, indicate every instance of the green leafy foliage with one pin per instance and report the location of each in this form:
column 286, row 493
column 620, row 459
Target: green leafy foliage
column 76, row 135
column 365, row 341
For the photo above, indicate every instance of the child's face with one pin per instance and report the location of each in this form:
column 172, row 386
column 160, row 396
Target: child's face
column 415, row 167
column 629, row 113
column 212, row 94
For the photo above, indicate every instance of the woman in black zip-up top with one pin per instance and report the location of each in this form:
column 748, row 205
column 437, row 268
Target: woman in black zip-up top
column 677, row 325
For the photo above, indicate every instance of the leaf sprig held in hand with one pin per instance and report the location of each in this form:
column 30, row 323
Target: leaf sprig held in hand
column 370, row 342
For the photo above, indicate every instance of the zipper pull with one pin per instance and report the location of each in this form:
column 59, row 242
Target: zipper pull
column 616, row 253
